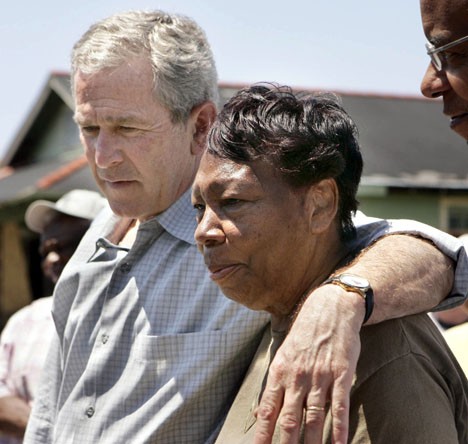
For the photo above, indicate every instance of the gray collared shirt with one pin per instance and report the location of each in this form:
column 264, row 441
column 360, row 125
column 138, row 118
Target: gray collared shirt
column 149, row 350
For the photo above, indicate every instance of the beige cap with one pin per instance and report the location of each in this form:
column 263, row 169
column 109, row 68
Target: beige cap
column 78, row 203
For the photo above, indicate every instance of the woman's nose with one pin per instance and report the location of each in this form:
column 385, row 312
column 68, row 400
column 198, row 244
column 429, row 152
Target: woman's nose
column 209, row 230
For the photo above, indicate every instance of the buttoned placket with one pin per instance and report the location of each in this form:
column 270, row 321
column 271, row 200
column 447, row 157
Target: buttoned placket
column 125, row 258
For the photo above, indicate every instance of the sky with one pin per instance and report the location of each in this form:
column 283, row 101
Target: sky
column 367, row 46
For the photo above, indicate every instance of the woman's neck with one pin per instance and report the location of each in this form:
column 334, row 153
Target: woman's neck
column 325, row 262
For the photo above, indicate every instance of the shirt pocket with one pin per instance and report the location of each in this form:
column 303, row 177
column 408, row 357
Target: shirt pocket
column 182, row 366
column 184, row 355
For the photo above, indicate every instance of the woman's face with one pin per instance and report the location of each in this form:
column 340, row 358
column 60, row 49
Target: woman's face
column 253, row 232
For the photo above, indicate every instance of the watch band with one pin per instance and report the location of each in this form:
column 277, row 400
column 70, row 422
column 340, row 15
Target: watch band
column 365, row 292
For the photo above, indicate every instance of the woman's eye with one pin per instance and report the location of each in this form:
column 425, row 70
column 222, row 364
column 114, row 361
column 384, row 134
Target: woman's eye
column 200, row 209
column 231, row 201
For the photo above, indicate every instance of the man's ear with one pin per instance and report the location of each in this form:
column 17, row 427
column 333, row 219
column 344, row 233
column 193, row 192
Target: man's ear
column 322, row 201
column 201, row 119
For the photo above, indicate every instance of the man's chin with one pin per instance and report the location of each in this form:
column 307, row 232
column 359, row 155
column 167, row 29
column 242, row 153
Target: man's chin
column 459, row 124
column 462, row 132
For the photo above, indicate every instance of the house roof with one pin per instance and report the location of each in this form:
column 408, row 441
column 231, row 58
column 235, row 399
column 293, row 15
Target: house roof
column 29, row 170
column 407, row 142
column 47, row 180
column 55, row 93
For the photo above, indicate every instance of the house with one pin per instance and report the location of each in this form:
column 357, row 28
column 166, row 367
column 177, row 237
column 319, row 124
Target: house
column 44, row 161
column 414, row 168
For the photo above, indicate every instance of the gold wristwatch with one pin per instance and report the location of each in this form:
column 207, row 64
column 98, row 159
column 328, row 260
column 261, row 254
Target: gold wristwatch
column 356, row 284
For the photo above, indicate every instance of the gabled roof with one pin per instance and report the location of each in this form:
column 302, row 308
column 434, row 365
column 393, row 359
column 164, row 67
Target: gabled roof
column 407, row 142
column 45, row 159
column 46, row 180
column 53, row 96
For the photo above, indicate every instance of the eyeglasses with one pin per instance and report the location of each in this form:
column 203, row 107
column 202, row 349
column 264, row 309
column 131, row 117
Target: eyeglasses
column 434, row 53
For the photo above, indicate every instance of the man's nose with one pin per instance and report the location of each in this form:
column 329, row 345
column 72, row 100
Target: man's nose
column 434, row 83
column 50, row 265
column 52, row 257
column 107, row 150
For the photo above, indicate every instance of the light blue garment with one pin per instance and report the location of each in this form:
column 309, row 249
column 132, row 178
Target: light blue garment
column 369, row 229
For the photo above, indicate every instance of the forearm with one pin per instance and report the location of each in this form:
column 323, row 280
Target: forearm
column 42, row 418
column 408, row 275
column 14, row 414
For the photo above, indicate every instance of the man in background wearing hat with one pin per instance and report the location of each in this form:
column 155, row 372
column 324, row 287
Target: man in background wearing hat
column 25, row 339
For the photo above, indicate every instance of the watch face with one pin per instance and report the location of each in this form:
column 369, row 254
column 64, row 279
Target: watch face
column 354, row 281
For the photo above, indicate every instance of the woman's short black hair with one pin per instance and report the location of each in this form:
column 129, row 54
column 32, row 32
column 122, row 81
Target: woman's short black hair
column 307, row 137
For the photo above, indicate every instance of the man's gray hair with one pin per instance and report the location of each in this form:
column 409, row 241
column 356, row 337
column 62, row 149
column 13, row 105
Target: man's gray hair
column 182, row 61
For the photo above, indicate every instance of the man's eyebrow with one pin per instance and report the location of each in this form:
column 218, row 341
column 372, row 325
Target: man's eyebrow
column 78, row 118
column 441, row 40
column 119, row 120
column 126, row 119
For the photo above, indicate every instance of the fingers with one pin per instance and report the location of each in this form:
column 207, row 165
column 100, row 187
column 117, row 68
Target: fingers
column 340, row 408
column 300, row 404
column 316, row 407
column 268, row 411
column 284, row 408
column 285, row 404
column 313, row 424
column 291, row 416
column 314, row 367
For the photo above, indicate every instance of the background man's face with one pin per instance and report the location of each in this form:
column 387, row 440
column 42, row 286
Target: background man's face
column 58, row 242
column 445, row 21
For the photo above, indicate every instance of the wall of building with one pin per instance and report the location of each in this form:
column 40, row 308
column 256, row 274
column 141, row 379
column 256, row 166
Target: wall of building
column 432, row 208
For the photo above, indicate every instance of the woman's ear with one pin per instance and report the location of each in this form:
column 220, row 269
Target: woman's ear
column 201, row 119
column 322, row 201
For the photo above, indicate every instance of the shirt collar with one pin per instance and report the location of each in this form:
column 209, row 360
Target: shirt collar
column 179, row 219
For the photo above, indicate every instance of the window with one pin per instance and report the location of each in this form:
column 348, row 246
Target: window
column 454, row 217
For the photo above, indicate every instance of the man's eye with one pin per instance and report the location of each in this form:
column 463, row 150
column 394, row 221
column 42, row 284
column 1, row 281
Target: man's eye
column 126, row 128
column 454, row 57
column 88, row 130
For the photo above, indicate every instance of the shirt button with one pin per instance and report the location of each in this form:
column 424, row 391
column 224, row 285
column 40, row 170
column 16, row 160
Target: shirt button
column 104, row 338
column 90, row 412
column 125, row 267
